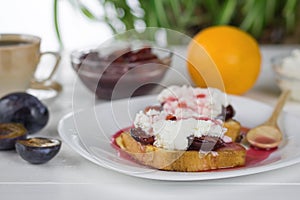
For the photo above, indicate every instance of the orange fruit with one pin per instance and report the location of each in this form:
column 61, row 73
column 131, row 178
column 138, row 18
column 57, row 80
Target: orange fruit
column 224, row 56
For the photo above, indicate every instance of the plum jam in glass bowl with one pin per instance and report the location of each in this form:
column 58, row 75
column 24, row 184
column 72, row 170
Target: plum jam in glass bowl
column 121, row 70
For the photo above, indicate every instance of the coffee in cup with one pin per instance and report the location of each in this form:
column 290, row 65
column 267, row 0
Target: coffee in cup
column 19, row 57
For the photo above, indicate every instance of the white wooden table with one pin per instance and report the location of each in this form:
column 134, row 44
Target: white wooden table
column 69, row 176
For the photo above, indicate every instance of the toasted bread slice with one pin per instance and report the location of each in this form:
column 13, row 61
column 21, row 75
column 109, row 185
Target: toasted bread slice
column 233, row 129
column 232, row 155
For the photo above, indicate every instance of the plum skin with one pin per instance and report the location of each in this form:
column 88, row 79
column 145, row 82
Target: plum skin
column 9, row 143
column 37, row 155
column 24, row 108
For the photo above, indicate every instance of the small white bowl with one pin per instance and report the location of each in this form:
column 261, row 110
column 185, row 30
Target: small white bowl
column 287, row 70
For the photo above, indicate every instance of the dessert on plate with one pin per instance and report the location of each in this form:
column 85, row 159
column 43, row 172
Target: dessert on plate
column 190, row 130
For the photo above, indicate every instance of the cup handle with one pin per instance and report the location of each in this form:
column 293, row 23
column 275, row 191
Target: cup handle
column 57, row 57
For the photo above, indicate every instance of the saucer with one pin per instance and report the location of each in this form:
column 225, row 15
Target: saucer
column 46, row 91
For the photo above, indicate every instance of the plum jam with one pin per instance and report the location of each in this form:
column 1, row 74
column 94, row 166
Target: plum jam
column 122, row 73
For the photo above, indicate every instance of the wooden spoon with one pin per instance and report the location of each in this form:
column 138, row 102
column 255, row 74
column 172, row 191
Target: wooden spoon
column 268, row 135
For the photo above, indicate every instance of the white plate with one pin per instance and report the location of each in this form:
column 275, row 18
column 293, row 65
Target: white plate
column 89, row 133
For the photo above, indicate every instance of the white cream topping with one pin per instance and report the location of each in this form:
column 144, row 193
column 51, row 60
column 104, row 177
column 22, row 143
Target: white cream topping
column 186, row 101
column 193, row 108
column 174, row 134
column 146, row 120
column 290, row 69
column 291, row 64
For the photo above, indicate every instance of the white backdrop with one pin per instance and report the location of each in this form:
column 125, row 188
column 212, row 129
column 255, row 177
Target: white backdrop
column 36, row 17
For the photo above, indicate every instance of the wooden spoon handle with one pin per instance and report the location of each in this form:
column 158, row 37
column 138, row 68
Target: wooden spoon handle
column 278, row 108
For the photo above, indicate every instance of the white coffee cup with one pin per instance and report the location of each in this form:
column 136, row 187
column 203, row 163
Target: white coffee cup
column 19, row 57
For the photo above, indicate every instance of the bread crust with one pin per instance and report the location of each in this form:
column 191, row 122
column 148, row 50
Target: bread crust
column 233, row 129
column 232, row 155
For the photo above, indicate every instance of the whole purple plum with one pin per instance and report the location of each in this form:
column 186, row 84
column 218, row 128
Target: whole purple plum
column 24, row 108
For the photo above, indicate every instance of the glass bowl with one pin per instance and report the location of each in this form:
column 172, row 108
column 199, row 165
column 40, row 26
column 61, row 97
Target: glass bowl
column 121, row 69
column 287, row 70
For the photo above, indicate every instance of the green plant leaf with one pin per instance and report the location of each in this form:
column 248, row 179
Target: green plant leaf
column 56, row 23
column 212, row 6
column 86, row 12
column 226, row 12
column 161, row 14
column 289, row 12
column 254, row 20
column 270, row 11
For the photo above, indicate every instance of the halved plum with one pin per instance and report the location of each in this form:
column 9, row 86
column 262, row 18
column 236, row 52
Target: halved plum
column 10, row 133
column 38, row 150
